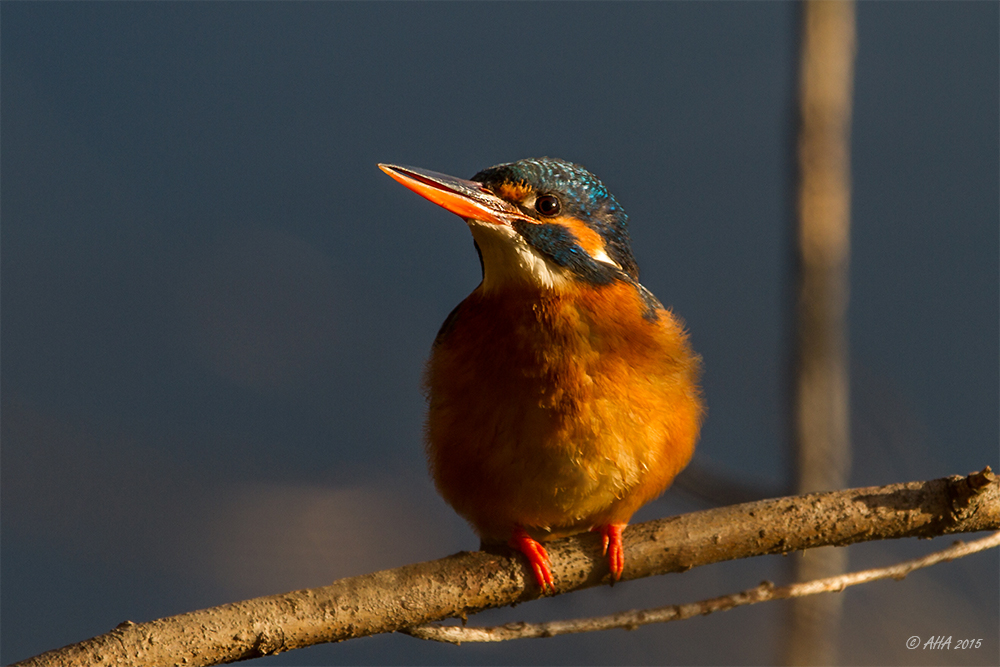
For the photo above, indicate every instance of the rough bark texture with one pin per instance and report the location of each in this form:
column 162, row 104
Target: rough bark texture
column 467, row 582
column 630, row 620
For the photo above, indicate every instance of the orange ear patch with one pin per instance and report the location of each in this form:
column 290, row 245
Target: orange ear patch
column 587, row 238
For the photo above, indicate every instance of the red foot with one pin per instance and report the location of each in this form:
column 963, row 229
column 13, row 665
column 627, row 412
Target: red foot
column 613, row 548
column 536, row 555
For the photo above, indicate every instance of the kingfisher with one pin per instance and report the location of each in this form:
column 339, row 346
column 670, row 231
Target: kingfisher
column 562, row 395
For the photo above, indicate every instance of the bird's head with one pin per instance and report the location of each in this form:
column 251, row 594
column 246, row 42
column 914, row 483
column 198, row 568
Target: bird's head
column 543, row 222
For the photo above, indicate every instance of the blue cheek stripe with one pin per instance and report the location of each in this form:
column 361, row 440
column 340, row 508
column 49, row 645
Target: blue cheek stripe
column 558, row 244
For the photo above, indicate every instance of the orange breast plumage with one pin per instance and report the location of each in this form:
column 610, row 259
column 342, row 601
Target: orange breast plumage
column 558, row 412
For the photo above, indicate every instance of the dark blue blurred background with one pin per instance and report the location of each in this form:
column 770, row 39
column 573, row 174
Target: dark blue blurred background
column 216, row 309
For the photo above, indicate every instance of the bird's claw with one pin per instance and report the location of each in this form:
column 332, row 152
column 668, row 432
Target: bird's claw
column 612, row 547
column 537, row 557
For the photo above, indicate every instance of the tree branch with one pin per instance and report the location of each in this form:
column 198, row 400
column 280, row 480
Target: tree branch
column 468, row 582
column 630, row 620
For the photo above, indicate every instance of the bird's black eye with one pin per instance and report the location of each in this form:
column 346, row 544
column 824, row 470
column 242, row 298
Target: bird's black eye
column 548, row 205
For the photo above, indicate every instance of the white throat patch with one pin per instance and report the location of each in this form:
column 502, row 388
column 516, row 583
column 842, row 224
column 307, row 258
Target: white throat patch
column 508, row 259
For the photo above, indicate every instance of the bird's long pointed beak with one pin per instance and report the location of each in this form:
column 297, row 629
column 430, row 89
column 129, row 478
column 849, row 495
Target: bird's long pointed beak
column 466, row 199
